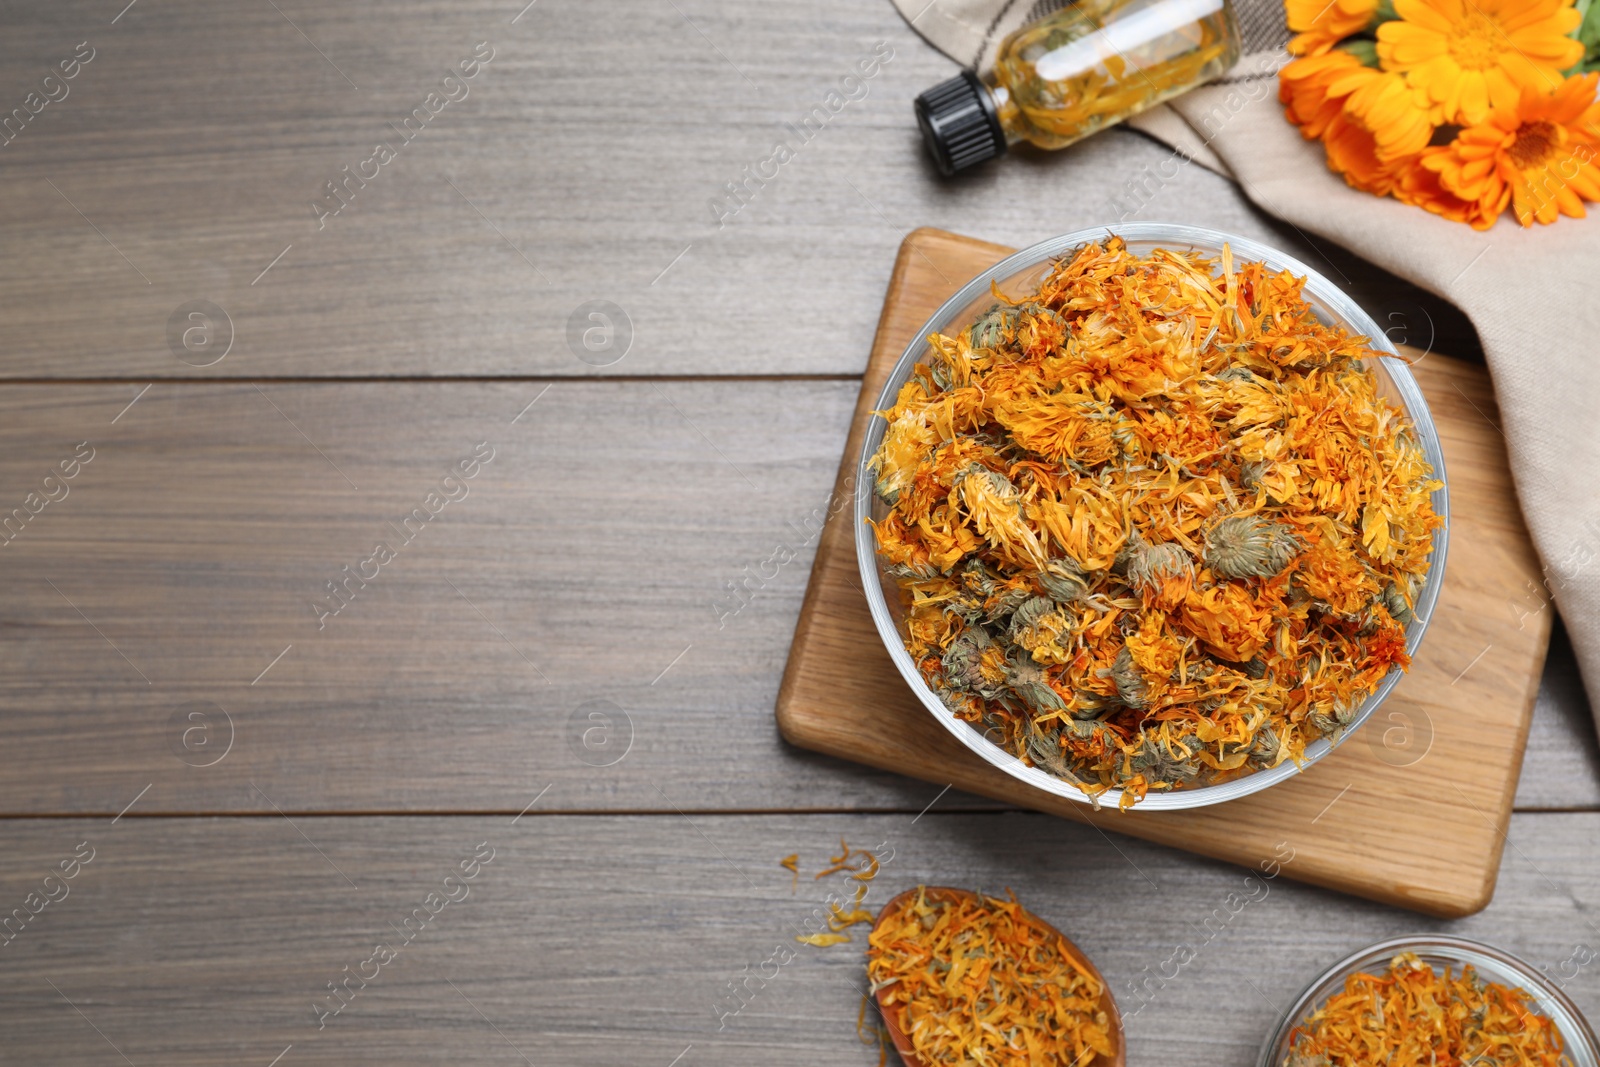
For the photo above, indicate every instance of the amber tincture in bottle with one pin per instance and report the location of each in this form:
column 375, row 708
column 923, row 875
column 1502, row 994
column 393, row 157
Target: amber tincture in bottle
column 1087, row 66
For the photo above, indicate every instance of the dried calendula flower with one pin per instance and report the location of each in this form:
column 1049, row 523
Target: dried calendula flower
column 1248, row 546
column 1028, row 682
column 1062, row 579
column 974, row 979
column 841, row 917
column 1414, row 1016
column 1153, row 525
column 822, row 940
column 1167, row 760
column 792, row 863
column 1128, row 679
column 990, row 329
column 862, row 867
column 1159, row 568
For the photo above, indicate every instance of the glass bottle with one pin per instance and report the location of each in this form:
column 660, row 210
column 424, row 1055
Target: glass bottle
column 1085, row 67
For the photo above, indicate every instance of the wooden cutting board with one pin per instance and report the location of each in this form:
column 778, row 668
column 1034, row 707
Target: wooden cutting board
column 1411, row 810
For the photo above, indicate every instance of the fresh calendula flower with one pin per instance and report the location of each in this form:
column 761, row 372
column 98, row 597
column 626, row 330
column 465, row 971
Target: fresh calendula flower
column 1378, row 131
column 1388, row 108
column 1539, row 155
column 1321, row 24
column 1461, row 107
column 1371, row 123
column 1313, row 89
column 1165, row 531
column 1465, row 57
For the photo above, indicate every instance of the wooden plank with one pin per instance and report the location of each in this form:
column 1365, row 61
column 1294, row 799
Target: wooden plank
column 581, row 166
column 198, row 535
column 1419, row 822
column 613, row 939
column 589, row 561
column 1561, row 767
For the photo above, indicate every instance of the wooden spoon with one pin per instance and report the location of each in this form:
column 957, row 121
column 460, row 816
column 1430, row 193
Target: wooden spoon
column 943, row 894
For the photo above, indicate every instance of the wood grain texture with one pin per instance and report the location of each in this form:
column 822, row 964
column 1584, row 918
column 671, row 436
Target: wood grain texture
column 1411, row 810
column 1561, row 768
column 614, row 939
column 581, row 166
column 600, row 541
column 589, row 561
column 596, row 548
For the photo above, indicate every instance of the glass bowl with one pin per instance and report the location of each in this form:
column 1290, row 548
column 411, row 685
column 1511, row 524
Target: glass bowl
column 1440, row 951
column 1022, row 272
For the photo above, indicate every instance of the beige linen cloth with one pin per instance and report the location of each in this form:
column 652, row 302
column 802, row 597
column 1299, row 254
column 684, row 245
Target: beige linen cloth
column 1533, row 294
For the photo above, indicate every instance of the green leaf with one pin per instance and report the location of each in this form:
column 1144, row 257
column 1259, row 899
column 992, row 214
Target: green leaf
column 1588, row 32
column 1366, row 51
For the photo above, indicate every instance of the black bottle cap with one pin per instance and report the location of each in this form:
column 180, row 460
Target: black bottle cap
column 960, row 124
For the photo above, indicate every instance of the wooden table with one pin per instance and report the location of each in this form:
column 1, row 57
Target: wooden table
column 277, row 741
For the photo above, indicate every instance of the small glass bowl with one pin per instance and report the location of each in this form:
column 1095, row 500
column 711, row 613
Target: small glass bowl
column 1439, row 951
column 1021, row 273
